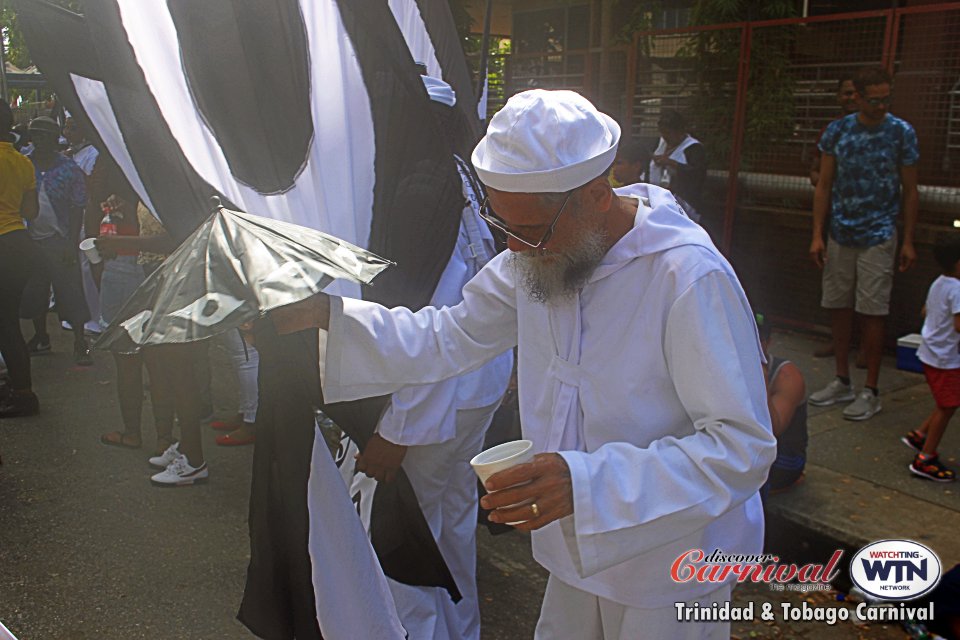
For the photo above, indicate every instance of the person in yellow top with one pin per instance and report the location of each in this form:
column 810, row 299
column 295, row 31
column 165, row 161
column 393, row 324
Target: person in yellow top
column 18, row 255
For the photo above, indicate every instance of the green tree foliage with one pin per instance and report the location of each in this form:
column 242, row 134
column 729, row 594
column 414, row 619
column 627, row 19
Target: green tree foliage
column 715, row 56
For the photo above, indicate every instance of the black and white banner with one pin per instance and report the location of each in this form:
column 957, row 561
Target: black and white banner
column 306, row 111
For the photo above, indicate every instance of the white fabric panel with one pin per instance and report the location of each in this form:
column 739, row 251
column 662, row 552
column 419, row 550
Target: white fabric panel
column 407, row 15
column 350, row 590
column 322, row 197
column 482, row 103
column 93, row 95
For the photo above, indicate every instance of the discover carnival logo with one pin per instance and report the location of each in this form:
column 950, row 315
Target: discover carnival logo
column 721, row 567
column 895, row 569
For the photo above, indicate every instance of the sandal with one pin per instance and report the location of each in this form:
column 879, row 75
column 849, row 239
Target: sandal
column 932, row 469
column 120, row 439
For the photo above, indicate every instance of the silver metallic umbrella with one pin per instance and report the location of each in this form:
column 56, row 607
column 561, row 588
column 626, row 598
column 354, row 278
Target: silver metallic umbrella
column 233, row 269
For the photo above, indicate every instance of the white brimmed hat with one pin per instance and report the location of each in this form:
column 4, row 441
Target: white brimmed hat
column 546, row 142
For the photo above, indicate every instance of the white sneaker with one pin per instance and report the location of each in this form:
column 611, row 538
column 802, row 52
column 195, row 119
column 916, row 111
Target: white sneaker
column 865, row 406
column 179, row 473
column 834, row 392
column 163, row 460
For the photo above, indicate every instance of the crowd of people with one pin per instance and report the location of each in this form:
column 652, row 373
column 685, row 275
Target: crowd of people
column 695, row 405
column 58, row 190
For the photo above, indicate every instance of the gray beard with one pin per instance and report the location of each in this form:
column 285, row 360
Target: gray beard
column 548, row 277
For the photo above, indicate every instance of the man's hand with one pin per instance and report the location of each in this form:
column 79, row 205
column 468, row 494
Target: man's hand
column 908, row 255
column 310, row 313
column 381, row 459
column 817, row 252
column 544, row 482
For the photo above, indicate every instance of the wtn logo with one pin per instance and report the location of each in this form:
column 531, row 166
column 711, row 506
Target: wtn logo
column 904, row 570
column 895, row 569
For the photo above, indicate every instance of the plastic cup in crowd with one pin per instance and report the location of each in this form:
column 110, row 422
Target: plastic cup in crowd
column 89, row 248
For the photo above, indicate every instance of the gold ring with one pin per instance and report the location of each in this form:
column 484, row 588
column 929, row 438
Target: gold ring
column 535, row 509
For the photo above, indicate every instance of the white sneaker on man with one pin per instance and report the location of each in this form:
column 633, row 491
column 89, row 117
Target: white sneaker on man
column 163, row 460
column 833, row 393
column 864, row 407
column 180, row 473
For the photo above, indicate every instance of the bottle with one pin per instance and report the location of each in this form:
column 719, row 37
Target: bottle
column 108, row 226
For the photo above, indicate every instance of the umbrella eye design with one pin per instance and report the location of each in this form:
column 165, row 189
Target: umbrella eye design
column 209, row 310
column 136, row 325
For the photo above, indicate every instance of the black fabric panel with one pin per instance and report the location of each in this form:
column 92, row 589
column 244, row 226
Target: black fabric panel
column 247, row 67
column 438, row 20
column 278, row 599
column 400, row 535
column 417, row 196
column 180, row 195
column 60, row 44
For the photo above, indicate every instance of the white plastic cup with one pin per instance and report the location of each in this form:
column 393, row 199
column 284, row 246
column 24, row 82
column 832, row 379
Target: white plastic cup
column 89, row 248
column 503, row 456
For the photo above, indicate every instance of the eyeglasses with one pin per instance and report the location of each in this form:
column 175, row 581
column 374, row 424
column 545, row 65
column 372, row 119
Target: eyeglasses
column 487, row 214
column 876, row 102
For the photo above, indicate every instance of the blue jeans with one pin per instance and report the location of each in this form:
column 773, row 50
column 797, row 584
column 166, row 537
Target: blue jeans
column 121, row 277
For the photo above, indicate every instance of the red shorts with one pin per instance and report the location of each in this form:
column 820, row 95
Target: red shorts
column 945, row 386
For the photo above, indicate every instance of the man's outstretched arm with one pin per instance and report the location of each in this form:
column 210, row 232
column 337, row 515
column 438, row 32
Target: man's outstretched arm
column 310, row 313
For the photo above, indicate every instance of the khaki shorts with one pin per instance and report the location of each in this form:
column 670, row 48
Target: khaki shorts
column 859, row 277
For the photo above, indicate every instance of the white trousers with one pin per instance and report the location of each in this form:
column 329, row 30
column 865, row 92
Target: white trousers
column 246, row 362
column 568, row 613
column 446, row 488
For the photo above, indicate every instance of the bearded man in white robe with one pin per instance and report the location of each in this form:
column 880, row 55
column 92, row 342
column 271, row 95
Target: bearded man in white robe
column 639, row 370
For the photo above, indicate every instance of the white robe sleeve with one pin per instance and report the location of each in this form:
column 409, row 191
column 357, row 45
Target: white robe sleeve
column 629, row 500
column 372, row 350
column 421, row 414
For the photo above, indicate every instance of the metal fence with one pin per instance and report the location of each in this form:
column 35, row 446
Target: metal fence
column 758, row 96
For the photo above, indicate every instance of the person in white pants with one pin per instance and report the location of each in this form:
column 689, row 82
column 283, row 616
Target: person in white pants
column 436, row 429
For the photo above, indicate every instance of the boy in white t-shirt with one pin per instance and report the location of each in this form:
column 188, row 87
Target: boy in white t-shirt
column 940, row 354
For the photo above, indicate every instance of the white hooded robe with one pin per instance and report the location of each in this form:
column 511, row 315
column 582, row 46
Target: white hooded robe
column 648, row 382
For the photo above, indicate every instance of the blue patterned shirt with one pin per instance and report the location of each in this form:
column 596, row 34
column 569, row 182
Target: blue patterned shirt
column 66, row 187
column 865, row 200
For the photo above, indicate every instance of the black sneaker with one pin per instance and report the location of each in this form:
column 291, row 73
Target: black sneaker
column 38, row 344
column 931, row 469
column 18, row 404
column 81, row 354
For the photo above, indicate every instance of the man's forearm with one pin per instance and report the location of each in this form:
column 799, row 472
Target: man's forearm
column 311, row 313
column 821, row 204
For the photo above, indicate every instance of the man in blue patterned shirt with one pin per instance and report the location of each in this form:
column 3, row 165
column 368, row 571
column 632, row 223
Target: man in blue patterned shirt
column 61, row 190
column 869, row 166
